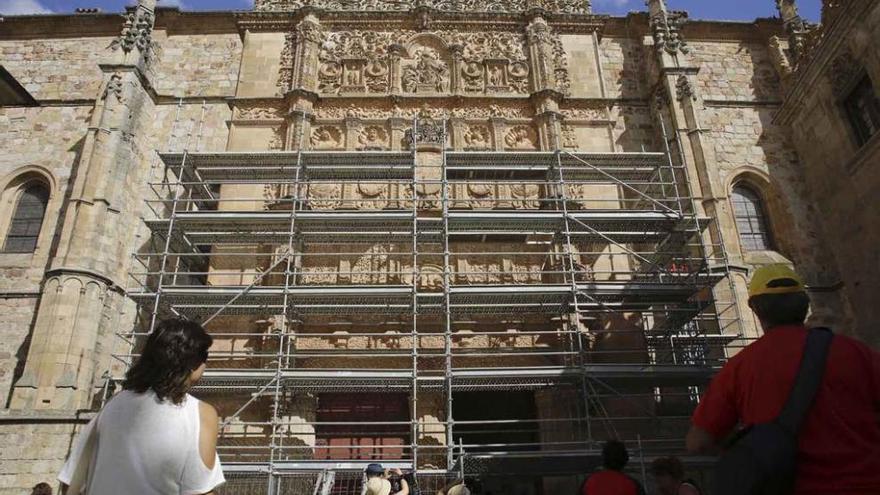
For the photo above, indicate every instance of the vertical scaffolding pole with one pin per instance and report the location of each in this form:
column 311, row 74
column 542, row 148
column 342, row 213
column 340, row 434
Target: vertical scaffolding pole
column 277, row 442
column 571, row 275
column 415, row 300
column 447, row 327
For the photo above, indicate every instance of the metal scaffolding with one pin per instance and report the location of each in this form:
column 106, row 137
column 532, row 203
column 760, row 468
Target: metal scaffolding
column 582, row 280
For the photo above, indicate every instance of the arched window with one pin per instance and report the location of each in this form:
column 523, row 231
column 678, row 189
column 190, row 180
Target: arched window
column 24, row 229
column 751, row 221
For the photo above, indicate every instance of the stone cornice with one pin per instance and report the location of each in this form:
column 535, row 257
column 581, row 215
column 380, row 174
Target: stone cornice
column 805, row 77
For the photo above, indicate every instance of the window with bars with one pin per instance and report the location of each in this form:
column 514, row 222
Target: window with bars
column 751, row 221
column 24, row 229
column 863, row 109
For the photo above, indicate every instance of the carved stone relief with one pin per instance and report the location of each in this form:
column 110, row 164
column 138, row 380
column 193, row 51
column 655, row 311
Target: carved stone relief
column 521, row 137
column 264, row 111
column 481, row 109
column 327, row 138
column 137, row 32
column 324, row 196
column 357, row 61
column 569, row 137
column 560, row 6
column 427, row 73
column 477, row 137
column 373, row 137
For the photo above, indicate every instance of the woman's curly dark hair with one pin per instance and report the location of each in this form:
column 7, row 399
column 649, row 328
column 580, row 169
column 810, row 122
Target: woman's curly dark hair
column 174, row 349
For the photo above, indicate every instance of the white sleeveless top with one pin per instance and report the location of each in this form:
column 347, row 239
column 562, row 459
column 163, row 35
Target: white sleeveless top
column 146, row 447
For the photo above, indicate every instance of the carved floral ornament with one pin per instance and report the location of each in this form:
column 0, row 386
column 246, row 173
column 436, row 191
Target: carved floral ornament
column 514, row 6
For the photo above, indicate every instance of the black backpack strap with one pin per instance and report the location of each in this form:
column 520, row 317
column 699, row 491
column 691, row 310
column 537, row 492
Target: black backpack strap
column 809, row 377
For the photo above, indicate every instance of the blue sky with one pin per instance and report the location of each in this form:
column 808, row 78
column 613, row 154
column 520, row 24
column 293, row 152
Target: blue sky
column 700, row 9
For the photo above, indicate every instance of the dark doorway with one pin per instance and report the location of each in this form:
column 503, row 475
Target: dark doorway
column 362, row 442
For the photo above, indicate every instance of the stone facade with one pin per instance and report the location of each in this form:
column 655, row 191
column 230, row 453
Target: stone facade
column 118, row 98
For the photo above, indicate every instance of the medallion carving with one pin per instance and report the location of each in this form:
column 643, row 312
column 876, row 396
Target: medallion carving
column 324, row 196
column 326, row 138
column 525, row 196
column 477, row 137
column 521, row 138
column 373, row 138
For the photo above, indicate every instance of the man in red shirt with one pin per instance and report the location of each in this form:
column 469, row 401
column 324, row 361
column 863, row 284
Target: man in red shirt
column 839, row 442
column 611, row 480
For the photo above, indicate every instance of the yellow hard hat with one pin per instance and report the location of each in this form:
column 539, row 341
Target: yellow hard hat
column 763, row 277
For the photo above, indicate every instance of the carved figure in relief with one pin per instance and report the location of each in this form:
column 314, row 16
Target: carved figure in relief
column 429, row 73
column 569, row 137
column 373, row 137
column 520, row 137
column 477, row 137
column 496, row 77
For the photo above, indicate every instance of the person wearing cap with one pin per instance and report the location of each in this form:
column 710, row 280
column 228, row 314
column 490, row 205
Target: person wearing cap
column 839, row 442
column 378, row 484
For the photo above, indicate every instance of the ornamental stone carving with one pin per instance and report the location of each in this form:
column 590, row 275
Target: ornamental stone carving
column 666, row 30
column 521, row 138
column 842, row 72
column 371, row 196
column 115, row 87
column 494, row 62
column 324, row 196
column 569, row 137
column 683, row 88
column 326, row 138
column 373, row 138
column 477, row 137
column 428, row 73
column 259, row 112
column 495, row 6
column 525, row 196
column 137, row 32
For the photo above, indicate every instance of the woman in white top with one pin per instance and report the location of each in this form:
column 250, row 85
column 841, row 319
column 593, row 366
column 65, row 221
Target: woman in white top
column 153, row 438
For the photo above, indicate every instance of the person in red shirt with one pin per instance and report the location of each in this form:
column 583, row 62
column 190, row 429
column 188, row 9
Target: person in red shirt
column 611, row 480
column 839, row 442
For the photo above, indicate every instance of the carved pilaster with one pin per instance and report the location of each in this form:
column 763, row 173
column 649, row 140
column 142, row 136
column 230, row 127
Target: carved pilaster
column 549, row 130
column 353, row 128
column 396, row 52
column 308, row 36
column 456, row 85
column 499, row 127
column 541, row 55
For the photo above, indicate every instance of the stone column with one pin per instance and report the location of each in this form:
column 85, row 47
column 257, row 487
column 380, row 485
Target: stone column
column 455, row 84
column 82, row 285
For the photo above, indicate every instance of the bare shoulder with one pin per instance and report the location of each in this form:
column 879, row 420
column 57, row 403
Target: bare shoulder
column 208, row 413
column 210, row 424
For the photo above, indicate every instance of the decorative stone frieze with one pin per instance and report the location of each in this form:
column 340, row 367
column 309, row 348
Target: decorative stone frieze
column 425, row 7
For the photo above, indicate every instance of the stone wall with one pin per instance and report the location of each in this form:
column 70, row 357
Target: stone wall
column 56, row 68
column 735, row 71
column 197, row 64
column 841, row 177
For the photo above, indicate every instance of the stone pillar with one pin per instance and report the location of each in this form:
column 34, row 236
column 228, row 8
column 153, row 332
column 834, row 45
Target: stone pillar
column 396, row 51
column 455, row 83
column 68, row 345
